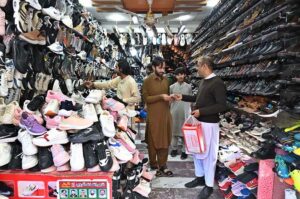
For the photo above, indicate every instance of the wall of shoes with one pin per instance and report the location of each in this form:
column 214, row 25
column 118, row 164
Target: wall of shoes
column 255, row 45
column 48, row 121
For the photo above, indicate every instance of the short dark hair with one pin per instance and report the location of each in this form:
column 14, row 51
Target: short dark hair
column 124, row 67
column 180, row 71
column 157, row 61
column 206, row 60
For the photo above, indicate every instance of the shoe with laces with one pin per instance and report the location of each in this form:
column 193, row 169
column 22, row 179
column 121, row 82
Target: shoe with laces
column 60, row 156
column 89, row 112
column 29, row 123
column 8, row 115
column 52, row 108
column 74, row 122
column 66, row 108
column 36, row 103
column 124, row 139
column 94, row 97
column 25, row 139
column 16, row 159
column 53, row 123
column 21, row 15
column 10, row 69
column 56, row 95
column 3, row 83
column 29, row 161
column 90, row 156
column 77, row 159
column 8, row 133
column 34, row 37
column 56, row 48
column 35, row 4
column 5, row 154
column 50, row 138
column 119, row 150
column 107, row 123
column 52, row 12
column 104, row 156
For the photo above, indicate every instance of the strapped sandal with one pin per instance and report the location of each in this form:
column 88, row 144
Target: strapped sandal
column 167, row 172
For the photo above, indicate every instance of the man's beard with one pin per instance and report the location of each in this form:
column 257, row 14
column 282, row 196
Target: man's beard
column 159, row 74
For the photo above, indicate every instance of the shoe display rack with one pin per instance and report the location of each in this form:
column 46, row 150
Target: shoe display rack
column 56, row 136
column 255, row 48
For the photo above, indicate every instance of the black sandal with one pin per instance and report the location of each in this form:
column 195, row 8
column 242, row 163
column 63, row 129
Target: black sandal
column 164, row 172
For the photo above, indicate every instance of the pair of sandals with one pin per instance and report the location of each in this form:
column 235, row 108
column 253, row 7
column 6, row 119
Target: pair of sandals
column 164, row 171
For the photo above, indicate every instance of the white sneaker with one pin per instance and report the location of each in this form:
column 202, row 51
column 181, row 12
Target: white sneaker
column 3, row 83
column 26, row 140
column 119, row 150
column 127, row 112
column 67, row 21
column 82, row 55
column 35, row 4
column 69, row 85
column 56, row 48
column 9, row 112
column 107, row 123
column 78, row 98
column 95, row 96
column 89, row 112
column 99, row 109
column 29, row 190
column 50, row 138
column 29, row 161
column 5, row 154
column 52, row 108
column 52, row 12
column 77, row 159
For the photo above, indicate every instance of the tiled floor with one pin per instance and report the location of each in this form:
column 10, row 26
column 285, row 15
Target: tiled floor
column 173, row 187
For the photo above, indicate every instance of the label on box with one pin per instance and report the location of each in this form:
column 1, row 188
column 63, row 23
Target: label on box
column 83, row 189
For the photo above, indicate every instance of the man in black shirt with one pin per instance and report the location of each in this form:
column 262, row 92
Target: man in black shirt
column 209, row 102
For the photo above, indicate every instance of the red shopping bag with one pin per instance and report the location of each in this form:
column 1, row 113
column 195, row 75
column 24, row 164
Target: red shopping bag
column 193, row 136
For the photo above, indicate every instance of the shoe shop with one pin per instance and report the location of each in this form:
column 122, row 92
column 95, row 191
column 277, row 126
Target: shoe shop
column 137, row 99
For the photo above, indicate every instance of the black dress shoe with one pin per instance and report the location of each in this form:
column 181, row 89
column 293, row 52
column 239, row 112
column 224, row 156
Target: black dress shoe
column 205, row 193
column 198, row 181
column 174, row 153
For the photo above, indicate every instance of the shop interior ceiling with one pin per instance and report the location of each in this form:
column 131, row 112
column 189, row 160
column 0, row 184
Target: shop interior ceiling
column 179, row 12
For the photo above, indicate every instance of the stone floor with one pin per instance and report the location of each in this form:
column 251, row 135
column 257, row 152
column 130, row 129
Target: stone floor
column 173, row 187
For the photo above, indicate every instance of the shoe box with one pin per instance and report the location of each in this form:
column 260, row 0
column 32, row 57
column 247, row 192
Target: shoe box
column 31, row 185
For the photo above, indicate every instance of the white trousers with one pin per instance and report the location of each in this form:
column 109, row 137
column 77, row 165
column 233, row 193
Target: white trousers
column 205, row 164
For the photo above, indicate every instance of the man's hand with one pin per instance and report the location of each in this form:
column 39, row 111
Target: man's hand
column 166, row 97
column 88, row 84
column 177, row 97
column 196, row 113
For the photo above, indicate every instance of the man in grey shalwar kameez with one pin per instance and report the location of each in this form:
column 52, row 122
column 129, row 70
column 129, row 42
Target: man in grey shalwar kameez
column 180, row 112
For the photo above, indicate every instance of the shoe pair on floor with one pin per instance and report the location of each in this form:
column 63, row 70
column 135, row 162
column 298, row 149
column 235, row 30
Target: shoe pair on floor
column 199, row 181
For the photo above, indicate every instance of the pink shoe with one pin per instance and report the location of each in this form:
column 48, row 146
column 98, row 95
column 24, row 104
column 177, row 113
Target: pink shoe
column 112, row 105
column 123, row 123
column 131, row 133
column 146, row 174
column 143, row 188
column 115, row 166
column 56, row 95
column 49, row 170
column 75, row 123
column 135, row 159
column 17, row 116
column 54, row 122
column 126, row 141
column 65, row 167
column 2, row 24
column 141, row 156
column 60, row 156
column 3, row 3
column 94, row 169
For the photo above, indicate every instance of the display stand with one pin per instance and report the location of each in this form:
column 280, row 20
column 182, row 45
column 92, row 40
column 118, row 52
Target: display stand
column 64, row 184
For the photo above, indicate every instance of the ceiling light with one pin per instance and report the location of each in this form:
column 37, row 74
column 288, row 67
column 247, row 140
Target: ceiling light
column 86, row 3
column 184, row 18
column 116, row 17
column 212, row 3
column 135, row 19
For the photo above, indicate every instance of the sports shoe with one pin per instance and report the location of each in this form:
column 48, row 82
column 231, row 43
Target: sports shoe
column 237, row 168
column 104, row 156
column 119, row 150
column 82, row 55
column 29, row 190
column 50, row 138
column 8, row 116
column 124, row 139
column 3, row 83
column 128, row 113
column 29, row 161
column 10, row 70
column 77, row 159
column 107, row 123
column 52, row 12
column 94, row 97
column 8, row 133
column 60, row 156
column 45, row 160
column 5, row 190
column 5, row 153
column 74, row 123
column 66, row 108
column 65, row 167
column 52, row 108
column 93, row 133
column 89, row 112
column 35, row 4
column 31, row 124
column 56, row 95
column 56, row 48
column 282, row 169
column 21, row 15
column 290, row 194
column 295, row 174
column 90, row 156
column 252, row 184
column 16, row 157
column 26, row 140
column 198, row 181
column 77, row 97
column 67, row 21
column 36, row 103
column 34, row 37
column 17, row 116
column 123, row 122
column 112, row 105
column 53, row 123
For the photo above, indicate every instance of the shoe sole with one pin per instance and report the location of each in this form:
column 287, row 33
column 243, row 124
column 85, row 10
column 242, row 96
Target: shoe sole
column 35, row 42
column 83, row 140
column 6, row 140
column 50, row 143
column 73, row 127
column 61, row 159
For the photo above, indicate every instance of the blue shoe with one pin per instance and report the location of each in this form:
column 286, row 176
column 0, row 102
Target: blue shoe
column 281, row 168
column 287, row 158
column 297, row 136
column 297, row 144
column 288, row 148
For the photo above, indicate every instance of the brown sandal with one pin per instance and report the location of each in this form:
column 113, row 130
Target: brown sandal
column 164, row 172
